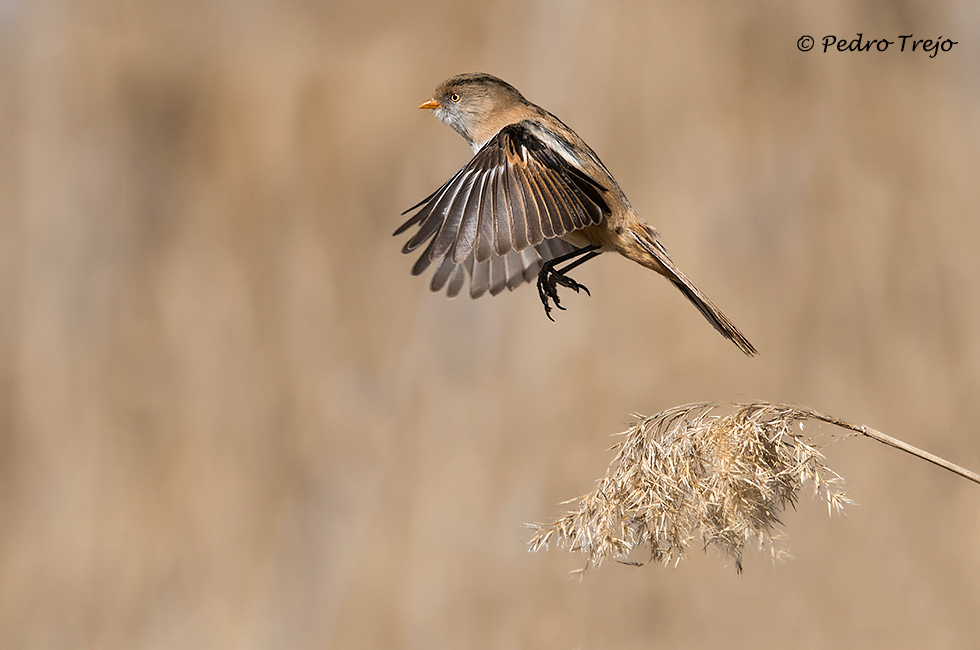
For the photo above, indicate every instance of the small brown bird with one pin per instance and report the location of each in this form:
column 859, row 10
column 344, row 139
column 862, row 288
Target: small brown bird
column 534, row 196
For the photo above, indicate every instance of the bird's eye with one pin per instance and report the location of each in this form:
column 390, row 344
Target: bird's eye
column 454, row 97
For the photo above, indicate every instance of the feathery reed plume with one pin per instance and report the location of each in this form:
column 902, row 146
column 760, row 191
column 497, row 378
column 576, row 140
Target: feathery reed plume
column 690, row 473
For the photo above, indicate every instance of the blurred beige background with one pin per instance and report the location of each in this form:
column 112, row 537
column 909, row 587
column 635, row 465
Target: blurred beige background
column 230, row 418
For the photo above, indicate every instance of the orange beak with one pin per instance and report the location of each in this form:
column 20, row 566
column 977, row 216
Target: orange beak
column 429, row 104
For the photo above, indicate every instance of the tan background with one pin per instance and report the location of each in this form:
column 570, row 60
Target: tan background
column 230, row 418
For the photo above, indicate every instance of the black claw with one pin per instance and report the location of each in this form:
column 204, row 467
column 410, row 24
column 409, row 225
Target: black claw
column 549, row 279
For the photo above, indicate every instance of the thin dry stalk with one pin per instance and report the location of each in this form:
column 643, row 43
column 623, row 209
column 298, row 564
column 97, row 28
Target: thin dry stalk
column 721, row 478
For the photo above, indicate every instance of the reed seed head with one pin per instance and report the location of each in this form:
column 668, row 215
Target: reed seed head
column 718, row 474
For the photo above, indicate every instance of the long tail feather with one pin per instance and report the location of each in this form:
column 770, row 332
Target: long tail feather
column 705, row 306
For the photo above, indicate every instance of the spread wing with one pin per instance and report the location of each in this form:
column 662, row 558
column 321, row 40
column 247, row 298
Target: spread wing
column 503, row 214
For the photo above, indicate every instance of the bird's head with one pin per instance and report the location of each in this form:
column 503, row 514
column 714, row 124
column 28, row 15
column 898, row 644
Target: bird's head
column 477, row 106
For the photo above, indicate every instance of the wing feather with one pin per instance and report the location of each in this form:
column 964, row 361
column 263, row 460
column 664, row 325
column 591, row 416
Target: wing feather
column 503, row 214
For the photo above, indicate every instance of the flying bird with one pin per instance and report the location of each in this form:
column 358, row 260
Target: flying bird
column 533, row 197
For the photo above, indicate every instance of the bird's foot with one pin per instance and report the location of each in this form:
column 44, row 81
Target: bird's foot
column 549, row 279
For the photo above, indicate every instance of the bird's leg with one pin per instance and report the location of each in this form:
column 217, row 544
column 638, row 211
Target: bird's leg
column 549, row 278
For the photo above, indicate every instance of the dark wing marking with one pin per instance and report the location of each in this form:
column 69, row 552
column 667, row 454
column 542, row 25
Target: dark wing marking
column 500, row 272
column 516, row 194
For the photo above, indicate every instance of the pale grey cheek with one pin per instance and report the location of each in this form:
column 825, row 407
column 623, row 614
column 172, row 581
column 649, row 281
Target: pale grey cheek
column 453, row 120
column 447, row 118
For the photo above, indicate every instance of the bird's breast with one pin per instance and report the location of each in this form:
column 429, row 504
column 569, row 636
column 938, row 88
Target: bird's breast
column 597, row 235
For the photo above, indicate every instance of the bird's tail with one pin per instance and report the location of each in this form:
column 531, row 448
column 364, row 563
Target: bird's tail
column 662, row 264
